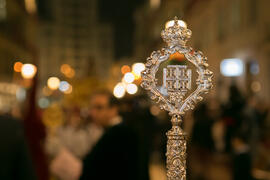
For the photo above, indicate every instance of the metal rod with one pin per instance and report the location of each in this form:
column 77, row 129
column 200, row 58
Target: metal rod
column 176, row 151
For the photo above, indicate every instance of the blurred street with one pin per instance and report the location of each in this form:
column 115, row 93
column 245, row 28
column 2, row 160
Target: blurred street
column 72, row 106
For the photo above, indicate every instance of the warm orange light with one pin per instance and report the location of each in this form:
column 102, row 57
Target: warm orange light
column 125, row 69
column 18, row 67
column 70, row 74
column 177, row 56
column 137, row 77
column 65, row 68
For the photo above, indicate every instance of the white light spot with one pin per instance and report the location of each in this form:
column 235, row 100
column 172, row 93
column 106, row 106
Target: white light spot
column 129, row 77
column 119, row 90
column 232, row 67
column 132, row 88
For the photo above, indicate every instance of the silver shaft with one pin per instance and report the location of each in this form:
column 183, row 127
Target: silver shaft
column 176, row 151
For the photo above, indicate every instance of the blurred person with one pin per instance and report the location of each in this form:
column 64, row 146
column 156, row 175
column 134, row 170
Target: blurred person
column 202, row 142
column 116, row 155
column 16, row 163
column 251, row 124
column 202, row 129
column 218, row 129
column 75, row 135
column 218, row 132
column 261, row 112
column 69, row 144
column 139, row 117
column 233, row 115
column 262, row 160
column 240, row 117
column 242, row 161
column 35, row 132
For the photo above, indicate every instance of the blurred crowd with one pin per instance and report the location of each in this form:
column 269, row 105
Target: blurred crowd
column 113, row 139
column 231, row 140
column 56, row 125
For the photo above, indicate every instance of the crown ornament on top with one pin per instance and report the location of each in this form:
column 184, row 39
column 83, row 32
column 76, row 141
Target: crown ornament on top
column 176, row 32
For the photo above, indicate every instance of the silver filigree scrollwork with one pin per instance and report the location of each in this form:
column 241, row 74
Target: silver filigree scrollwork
column 177, row 82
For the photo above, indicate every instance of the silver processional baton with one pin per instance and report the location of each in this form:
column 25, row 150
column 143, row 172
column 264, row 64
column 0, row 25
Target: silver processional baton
column 176, row 95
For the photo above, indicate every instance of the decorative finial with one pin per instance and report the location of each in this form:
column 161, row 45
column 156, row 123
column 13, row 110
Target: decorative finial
column 175, row 20
column 176, row 32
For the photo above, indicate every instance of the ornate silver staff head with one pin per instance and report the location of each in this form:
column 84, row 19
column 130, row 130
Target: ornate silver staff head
column 176, row 92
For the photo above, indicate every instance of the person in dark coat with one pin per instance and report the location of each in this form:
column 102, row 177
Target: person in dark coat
column 116, row 154
column 15, row 159
column 242, row 161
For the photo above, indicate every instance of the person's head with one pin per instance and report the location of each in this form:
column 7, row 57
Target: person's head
column 103, row 107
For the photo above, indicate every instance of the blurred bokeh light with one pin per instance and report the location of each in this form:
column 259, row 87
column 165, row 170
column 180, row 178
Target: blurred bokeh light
column 119, row 90
column 53, row 83
column 125, row 69
column 129, row 77
column 232, row 67
column 132, row 88
column 18, row 66
column 137, row 68
column 28, row 71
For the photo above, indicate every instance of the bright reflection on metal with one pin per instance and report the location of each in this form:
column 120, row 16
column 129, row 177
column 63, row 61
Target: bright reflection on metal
column 180, row 23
